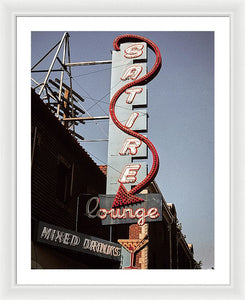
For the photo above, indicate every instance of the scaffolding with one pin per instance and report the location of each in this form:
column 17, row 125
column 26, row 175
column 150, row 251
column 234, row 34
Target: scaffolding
column 61, row 98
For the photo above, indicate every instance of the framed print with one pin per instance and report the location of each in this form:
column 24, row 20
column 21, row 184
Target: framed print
column 77, row 218
column 191, row 102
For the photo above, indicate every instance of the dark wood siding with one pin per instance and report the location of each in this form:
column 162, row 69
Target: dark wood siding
column 54, row 148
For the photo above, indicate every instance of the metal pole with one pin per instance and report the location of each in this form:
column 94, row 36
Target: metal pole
column 52, row 64
column 101, row 140
column 87, row 118
column 43, row 71
column 70, row 94
column 61, row 78
column 89, row 63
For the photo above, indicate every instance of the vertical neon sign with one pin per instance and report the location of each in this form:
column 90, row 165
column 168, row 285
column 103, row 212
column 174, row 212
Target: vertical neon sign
column 125, row 176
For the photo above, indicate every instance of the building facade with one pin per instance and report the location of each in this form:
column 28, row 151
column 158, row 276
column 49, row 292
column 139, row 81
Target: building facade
column 63, row 175
column 64, row 179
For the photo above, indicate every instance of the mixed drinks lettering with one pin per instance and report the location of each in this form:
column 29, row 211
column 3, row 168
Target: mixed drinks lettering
column 60, row 237
column 100, row 247
column 53, row 235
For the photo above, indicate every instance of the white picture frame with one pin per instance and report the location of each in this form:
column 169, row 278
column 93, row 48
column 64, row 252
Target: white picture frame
column 9, row 289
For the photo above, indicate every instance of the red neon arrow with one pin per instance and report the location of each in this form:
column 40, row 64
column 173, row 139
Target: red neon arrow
column 124, row 197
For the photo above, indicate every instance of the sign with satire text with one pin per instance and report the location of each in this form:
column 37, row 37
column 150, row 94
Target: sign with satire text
column 130, row 111
column 127, row 174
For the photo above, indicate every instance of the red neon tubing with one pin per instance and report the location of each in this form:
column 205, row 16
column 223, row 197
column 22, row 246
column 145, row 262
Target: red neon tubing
column 141, row 81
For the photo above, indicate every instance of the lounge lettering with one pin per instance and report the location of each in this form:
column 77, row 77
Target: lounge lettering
column 140, row 214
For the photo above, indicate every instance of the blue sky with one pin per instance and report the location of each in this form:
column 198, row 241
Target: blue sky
column 181, row 117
